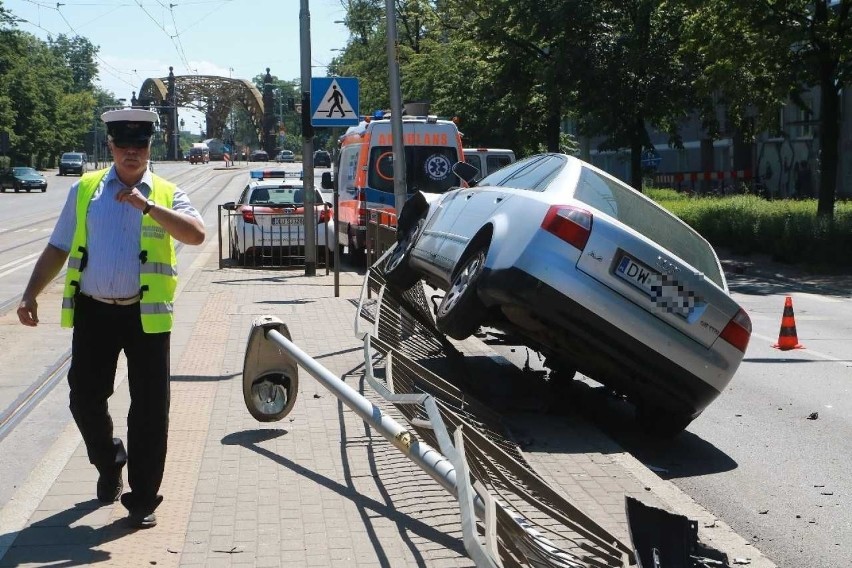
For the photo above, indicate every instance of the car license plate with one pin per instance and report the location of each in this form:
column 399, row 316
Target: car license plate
column 668, row 294
column 278, row 221
column 638, row 274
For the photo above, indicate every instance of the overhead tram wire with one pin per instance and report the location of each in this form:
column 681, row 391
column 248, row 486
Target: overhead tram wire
column 114, row 72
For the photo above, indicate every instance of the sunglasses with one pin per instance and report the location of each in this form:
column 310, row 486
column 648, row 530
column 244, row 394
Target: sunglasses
column 123, row 144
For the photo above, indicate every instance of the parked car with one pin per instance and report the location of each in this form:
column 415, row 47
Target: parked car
column 586, row 270
column 322, row 159
column 259, row 156
column 22, row 179
column 285, row 156
column 488, row 160
column 268, row 219
column 72, row 163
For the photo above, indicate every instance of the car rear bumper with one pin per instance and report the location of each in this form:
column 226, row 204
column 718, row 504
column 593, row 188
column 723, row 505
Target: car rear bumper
column 598, row 347
column 282, row 242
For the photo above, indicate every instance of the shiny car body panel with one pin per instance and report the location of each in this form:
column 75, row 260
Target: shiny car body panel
column 642, row 304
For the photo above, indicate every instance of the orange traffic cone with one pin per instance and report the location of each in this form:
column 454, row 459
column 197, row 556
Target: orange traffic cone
column 787, row 338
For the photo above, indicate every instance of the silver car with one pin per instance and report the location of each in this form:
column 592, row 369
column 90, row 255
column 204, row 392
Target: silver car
column 588, row 271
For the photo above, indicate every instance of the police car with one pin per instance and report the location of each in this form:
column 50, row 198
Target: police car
column 267, row 220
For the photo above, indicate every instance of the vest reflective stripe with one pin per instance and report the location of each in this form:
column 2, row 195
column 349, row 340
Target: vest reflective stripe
column 161, row 308
column 158, row 268
column 157, row 274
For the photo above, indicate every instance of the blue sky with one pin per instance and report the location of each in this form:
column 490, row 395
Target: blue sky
column 231, row 38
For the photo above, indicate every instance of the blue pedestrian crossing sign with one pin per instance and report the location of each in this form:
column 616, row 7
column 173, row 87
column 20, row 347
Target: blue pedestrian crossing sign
column 334, row 101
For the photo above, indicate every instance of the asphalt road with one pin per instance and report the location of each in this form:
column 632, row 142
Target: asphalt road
column 770, row 455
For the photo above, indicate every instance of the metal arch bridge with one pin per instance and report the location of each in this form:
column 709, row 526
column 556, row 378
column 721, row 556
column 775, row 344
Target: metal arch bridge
column 213, row 96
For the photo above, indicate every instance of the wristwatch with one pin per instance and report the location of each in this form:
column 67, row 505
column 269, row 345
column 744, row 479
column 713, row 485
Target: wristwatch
column 148, row 204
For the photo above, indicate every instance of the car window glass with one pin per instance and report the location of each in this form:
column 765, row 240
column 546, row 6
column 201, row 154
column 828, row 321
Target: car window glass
column 647, row 218
column 534, row 174
column 243, row 195
column 497, row 178
column 497, row 162
column 474, row 161
column 348, row 166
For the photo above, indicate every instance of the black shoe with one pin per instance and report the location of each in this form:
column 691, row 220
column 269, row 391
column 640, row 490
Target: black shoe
column 110, row 486
column 142, row 521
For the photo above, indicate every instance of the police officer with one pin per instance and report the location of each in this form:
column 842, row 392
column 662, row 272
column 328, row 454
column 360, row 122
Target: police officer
column 117, row 231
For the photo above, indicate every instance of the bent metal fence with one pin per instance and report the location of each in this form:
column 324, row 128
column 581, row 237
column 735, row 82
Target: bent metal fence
column 523, row 520
column 262, row 239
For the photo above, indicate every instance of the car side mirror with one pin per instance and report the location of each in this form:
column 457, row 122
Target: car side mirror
column 326, row 181
column 466, row 172
column 229, row 206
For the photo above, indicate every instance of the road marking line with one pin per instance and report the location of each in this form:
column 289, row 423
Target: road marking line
column 22, row 262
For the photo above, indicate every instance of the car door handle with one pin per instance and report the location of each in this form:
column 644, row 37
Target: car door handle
column 498, row 200
column 468, row 196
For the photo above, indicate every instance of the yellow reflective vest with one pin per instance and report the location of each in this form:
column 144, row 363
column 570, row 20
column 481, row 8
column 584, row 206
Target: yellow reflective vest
column 158, row 268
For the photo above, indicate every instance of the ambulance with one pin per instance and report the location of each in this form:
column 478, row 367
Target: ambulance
column 364, row 169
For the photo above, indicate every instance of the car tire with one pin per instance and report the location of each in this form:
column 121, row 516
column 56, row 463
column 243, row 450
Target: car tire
column 2, row 190
column 461, row 312
column 43, row 189
column 357, row 257
column 661, row 422
column 398, row 271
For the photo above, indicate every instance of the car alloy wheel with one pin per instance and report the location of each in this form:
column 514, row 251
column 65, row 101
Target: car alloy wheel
column 397, row 270
column 461, row 312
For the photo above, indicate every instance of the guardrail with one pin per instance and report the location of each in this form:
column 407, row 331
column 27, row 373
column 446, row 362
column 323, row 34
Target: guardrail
column 273, row 240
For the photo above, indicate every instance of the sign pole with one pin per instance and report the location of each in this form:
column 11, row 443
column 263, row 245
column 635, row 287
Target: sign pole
column 399, row 190
column 307, row 142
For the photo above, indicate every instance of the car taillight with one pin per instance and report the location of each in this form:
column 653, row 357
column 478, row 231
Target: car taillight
column 325, row 215
column 362, row 207
column 571, row 224
column 248, row 216
column 738, row 331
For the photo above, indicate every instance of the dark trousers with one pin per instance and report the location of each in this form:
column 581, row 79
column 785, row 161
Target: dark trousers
column 101, row 332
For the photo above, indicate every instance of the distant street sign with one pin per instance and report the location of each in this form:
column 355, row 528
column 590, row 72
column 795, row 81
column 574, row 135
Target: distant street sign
column 334, row 101
column 650, row 159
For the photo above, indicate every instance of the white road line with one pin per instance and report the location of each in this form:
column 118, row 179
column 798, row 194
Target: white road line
column 18, row 264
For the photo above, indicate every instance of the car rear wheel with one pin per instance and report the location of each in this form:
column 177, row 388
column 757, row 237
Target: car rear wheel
column 461, row 312
column 398, row 272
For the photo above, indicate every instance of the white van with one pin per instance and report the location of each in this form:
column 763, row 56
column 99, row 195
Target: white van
column 488, row 160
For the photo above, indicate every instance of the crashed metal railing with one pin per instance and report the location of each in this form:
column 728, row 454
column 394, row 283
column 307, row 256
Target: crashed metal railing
column 525, row 521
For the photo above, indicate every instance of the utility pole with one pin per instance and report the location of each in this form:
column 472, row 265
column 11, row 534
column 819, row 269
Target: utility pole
column 307, row 141
column 399, row 190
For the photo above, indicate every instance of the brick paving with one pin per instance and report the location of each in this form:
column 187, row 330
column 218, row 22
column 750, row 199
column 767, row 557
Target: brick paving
column 319, row 488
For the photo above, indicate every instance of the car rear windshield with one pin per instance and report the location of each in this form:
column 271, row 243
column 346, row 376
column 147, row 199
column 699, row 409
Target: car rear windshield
column 646, row 217
column 281, row 196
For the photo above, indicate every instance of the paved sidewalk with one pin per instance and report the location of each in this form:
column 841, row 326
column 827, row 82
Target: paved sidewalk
column 319, row 488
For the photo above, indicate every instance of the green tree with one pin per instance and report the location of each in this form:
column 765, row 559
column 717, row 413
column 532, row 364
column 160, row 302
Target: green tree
column 78, row 56
column 761, row 53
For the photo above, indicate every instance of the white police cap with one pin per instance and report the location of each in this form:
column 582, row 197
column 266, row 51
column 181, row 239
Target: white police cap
column 129, row 115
